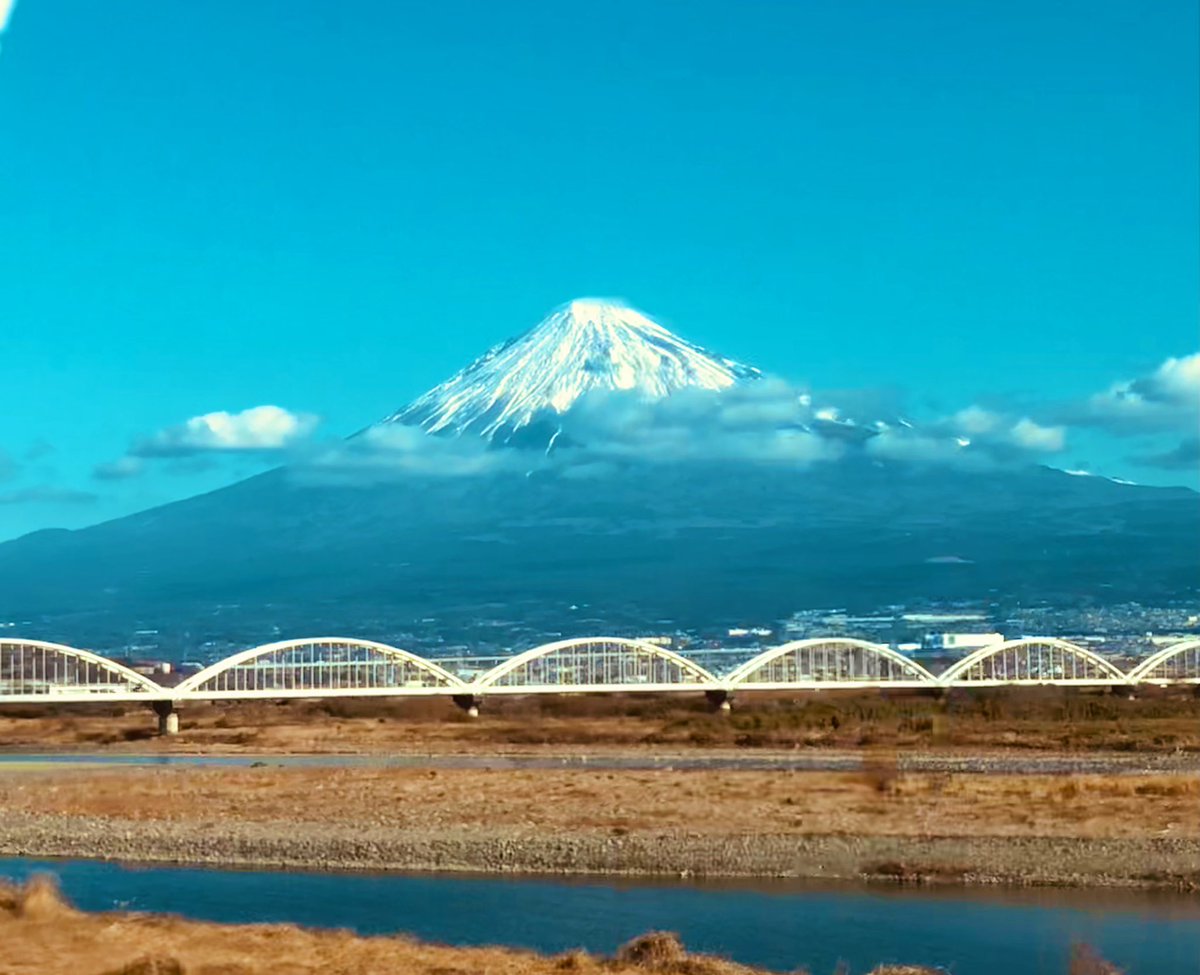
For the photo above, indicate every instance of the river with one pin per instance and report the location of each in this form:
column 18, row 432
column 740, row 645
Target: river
column 746, row 761
column 774, row 924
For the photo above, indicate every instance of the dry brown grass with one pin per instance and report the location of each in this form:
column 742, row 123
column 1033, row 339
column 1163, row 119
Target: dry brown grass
column 51, row 938
column 1033, row 718
column 881, row 770
column 881, row 802
column 1085, row 961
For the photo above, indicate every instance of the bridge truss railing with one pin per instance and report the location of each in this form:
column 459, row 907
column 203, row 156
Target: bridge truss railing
column 34, row 670
column 610, row 664
column 321, row 667
column 829, row 663
column 1033, row 661
column 1175, row 664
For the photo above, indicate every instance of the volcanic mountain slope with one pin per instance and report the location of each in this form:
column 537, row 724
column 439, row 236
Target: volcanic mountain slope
column 644, row 545
column 697, row 541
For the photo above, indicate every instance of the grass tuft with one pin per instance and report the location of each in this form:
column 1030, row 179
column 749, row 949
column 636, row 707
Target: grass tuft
column 1086, row 961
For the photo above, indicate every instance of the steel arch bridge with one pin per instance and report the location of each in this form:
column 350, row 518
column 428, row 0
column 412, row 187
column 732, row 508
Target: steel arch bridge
column 1033, row 661
column 34, row 670
column 1176, row 664
column 611, row 664
column 829, row 663
column 320, row 667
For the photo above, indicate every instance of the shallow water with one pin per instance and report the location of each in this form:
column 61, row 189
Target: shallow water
column 814, row 761
column 781, row 925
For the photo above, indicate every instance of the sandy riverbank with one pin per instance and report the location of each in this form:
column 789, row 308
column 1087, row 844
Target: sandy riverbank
column 879, row 824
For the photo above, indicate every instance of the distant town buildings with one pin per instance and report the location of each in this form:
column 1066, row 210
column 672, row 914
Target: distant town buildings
column 1127, row 631
column 960, row 642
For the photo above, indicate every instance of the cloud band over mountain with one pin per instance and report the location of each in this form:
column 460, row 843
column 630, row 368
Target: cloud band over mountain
column 597, row 387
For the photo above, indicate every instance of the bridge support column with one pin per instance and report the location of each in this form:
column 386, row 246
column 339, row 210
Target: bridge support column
column 469, row 703
column 719, row 700
column 1126, row 691
column 168, row 718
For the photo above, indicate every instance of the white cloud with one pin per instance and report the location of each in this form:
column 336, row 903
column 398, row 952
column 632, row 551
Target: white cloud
column 768, row 422
column 604, row 431
column 384, row 453
column 6, row 11
column 764, row 422
column 766, row 402
column 916, row 446
column 1166, row 400
column 258, row 429
column 974, row 435
column 975, row 421
column 1027, row 434
column 1177, row 379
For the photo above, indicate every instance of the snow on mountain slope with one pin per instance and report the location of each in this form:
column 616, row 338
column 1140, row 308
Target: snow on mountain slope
column 584, row 345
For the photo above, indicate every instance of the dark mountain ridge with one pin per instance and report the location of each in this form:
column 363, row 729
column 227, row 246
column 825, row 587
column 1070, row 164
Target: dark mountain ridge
column 686, row 542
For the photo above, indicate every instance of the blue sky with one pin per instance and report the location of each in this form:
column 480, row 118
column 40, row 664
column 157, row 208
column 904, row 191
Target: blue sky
column 330, row 207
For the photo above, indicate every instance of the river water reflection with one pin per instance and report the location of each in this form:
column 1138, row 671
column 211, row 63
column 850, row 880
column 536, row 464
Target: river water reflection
column 778, row 925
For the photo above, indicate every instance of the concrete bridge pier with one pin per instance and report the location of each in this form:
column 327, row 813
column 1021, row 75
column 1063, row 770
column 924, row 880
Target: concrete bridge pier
column 168, row 717
column 469, row 703
column 719, row 700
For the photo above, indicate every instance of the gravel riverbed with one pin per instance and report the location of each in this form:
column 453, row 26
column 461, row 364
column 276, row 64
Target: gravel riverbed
column 1167, row 863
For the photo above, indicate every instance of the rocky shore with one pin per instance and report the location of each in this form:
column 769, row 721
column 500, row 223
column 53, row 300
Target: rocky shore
column 1161, row 863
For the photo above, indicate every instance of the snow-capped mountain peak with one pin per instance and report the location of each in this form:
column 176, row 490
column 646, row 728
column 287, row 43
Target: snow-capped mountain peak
column 587, row 344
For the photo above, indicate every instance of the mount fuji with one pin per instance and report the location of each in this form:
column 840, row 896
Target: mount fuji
column 586, row 345
column 697, row 538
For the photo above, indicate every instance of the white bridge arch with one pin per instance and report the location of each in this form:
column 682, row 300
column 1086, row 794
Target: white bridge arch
column 320, row 667
column 829, row 662
column 1176, row 664
column 1032, row 661
column 37, row 671
column 34, row 670
column 595, row 664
